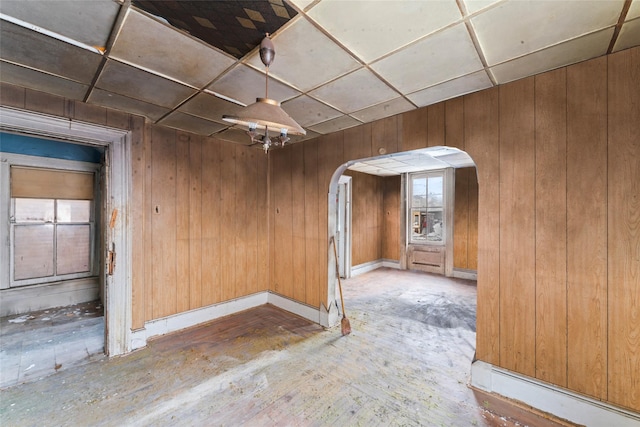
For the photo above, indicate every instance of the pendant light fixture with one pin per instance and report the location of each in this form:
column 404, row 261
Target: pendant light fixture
column 265, row 115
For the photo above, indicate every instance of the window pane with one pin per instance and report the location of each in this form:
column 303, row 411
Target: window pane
column 434, row 226
column 74, row 211
column 33, row 210
column 73, row 250
column 419, row 193
column 418, row 224
column 435, row 191
column 33, row 251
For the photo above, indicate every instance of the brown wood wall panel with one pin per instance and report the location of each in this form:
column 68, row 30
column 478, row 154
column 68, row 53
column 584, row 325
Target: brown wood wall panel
column 461, row 218
column 241, row 220
column 454, row 123
column 211, row 222
column 299, row 247
column 195, row 223
column 282, row 256
column 183, row 176
column 139, row 212
column 149, row 210
column 551, row 226
column 366, row 220
column 227, row 233
column 472, row 243
column 313, row 267
column 517, row 227
column 481, row 130
column 263, row 221
column 391, row 213
column 624, row 228
column 357, row 142
column 587, row 233
column 435, row 128
column 163, row 231
column 255, row 225
column 414, row 130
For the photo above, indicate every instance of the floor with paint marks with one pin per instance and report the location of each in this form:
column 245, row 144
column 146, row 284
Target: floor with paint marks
column 406, row 362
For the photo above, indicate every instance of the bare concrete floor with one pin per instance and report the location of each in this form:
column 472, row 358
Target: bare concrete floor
column 406, row 362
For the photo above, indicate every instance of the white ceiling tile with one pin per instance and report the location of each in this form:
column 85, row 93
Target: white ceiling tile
column 305, row 57
column 135, row 83
column 386, row 109
column 191, row 123
column 634, row 10
column 475, row 5
column 89, row 22
column 209, row 107
column 371, row 29
column 447, row 90
column 123, row 103
column 518, row 27
column 147, row 43
column 335, row 125
column 629, row 35
column 301, row 4
column 43, row 82
column 434, row 59
column 355, row 91
column 308, row 111
column 560, row 55
column 34, row 50
column 245, row 84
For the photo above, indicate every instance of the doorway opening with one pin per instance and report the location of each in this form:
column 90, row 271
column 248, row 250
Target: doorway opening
column 105, row 227
column 388, row 191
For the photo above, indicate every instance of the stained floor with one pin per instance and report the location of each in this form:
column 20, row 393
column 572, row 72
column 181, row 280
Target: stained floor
column 43, row 342
column 407, row 362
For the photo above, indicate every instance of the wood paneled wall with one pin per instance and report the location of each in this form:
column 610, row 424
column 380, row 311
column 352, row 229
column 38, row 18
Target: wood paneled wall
column 558, row 162
column 367, row 217
column 392, row 221
column 465, row 227
column 204, row 231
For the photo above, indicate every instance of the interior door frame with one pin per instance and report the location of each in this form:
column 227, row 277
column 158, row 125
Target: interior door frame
column 343, row 226
column 118, row 296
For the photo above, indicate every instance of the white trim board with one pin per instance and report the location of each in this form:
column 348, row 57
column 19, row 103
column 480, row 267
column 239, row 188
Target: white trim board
column 202, row 315
column 554, row 400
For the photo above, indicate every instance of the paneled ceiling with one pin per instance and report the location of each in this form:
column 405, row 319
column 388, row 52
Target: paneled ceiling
column 338, row 63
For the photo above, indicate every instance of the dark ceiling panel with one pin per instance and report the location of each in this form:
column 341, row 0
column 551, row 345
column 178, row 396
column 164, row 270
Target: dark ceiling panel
column 234, row 26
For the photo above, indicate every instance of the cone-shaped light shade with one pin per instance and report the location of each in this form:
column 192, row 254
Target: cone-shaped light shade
column 266, row 113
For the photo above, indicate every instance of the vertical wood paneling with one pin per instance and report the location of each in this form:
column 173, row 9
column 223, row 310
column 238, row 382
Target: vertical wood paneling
column 472, row 242
column 517, row 227
column 298, row 197
column 148, row 225
column 263, row 220
column 164, row 221
column 587, row 227
column 481, row 131
column 195, row 223
column 454, row 123
column 435, row 116
column 45, row 103
column 211, row 221
column 138, row 210
column 357, row 142
column 12, row 96
column 414, row 130
column 227, row 233
column 182, row 222
column 551, row 226
column 313, row 267
column 89, row 113
column 461, row 218
column 241, row 220
column 282, row 198
column 252, row 231
column 120, row 120
column 391, row 212
column 384, row 136
column 624, row 228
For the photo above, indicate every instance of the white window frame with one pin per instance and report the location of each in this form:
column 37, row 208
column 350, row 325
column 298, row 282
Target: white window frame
column 443, row 173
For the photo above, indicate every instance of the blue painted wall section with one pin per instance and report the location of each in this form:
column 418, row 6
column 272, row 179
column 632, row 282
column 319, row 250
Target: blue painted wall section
column 20, row 144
